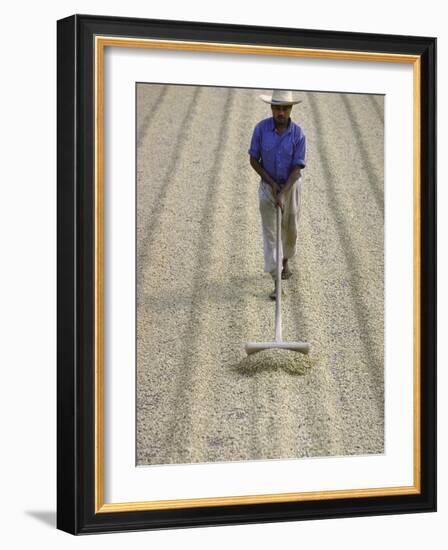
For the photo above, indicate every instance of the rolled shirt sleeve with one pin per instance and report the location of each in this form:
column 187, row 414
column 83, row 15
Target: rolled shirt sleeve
column 300, row 152
column 255, row 144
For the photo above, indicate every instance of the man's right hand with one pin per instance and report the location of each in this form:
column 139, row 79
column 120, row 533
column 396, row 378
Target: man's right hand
column 280, row 199
column 275, row 188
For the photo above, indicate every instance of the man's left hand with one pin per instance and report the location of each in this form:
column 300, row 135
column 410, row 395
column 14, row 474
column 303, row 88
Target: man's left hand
column 280, row 199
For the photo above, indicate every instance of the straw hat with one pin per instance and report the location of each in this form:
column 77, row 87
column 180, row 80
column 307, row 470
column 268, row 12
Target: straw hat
column 280, row 97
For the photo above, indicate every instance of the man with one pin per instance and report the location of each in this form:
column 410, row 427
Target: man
column 277, row 153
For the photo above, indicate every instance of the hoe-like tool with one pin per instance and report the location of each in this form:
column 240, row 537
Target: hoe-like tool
column 278, row 343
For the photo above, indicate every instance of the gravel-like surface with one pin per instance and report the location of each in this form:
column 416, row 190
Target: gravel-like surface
column 201, row 292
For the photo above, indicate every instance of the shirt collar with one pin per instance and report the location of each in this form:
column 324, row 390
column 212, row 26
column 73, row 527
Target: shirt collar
column 288, row 128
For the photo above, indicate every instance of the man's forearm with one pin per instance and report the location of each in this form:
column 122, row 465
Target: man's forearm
column 263, row 174
column 292, row 178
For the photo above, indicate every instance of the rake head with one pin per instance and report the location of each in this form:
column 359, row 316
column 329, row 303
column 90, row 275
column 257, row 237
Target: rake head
column 253, row 347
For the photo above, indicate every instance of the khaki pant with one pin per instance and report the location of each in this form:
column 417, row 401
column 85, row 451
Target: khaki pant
column 290, row 221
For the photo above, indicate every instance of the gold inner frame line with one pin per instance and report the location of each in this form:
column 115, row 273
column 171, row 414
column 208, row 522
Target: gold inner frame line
column 101, row 42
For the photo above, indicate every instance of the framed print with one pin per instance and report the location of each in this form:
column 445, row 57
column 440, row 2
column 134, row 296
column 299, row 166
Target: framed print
column 246, row 274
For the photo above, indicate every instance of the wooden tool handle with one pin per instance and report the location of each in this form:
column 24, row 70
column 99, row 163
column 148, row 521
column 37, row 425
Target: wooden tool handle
column 278, row 282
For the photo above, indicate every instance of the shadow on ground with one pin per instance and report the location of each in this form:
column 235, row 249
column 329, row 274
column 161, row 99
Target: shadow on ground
column 48, row 517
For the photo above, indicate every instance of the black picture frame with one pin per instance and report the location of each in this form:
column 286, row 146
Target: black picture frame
column 77, row 511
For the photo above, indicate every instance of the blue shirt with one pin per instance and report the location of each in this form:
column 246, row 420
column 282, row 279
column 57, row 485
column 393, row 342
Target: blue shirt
column 278, row 153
